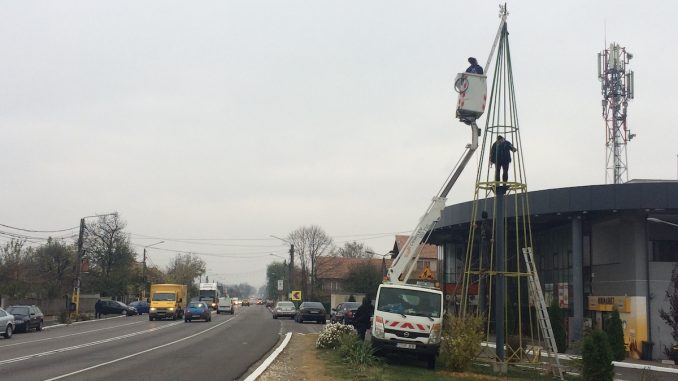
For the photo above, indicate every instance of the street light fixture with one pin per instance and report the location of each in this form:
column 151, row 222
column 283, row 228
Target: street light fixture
column 75, row 298
column 143, row 270
column 657, row 220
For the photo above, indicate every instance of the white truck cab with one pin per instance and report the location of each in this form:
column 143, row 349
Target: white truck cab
column 408, row 318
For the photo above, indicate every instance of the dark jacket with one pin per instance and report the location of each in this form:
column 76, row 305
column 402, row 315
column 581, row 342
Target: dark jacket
column 501, row 153
column 475, row 69
column 363, row 315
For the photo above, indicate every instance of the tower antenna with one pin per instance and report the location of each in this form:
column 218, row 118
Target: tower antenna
column 617, row 89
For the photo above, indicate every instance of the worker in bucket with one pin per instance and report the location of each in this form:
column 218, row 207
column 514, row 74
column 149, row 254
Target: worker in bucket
column 474, row 68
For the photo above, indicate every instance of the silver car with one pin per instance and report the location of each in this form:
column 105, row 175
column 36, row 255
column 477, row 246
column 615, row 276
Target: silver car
column 284, row 309
column 6, row 323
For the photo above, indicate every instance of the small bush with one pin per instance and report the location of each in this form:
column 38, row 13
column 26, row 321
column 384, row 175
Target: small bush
column 331, row 335
column 597, row 357
column 558, row 325
column 461, row 339
column 356, row 352
column 615, row 335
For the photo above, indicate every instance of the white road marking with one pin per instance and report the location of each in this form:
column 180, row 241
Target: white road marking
column 71, row 334
column 261, row 368
column 138, row 353
column 85, row 345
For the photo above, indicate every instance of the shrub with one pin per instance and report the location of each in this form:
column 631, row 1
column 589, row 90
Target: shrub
column 461, row 339
column 597, row 357
column 558, row 325
column 330, row 336
column 615, row 336
column 356, row 352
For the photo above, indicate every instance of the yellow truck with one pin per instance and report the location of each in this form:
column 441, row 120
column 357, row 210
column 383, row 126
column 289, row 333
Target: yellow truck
column 167, row 301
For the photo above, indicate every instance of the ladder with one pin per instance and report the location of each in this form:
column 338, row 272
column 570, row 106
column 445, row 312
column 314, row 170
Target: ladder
column 539, row 303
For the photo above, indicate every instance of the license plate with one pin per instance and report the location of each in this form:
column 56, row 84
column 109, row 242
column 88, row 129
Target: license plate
column 406, row 346
column 315, row 312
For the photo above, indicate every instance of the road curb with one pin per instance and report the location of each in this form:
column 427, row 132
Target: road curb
column 261, row 368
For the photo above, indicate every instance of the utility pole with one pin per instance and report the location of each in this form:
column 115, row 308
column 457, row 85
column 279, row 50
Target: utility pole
column 291, row 269
column 74, row 308
column 143, row 270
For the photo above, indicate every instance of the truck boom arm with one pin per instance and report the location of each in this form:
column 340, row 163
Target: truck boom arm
column 406, row 261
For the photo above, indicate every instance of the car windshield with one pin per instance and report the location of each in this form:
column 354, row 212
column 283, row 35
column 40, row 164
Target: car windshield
column 409, row 302
column 18, row 310
column 163, row 297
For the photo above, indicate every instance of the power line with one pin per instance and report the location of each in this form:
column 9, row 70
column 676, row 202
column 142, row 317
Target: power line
column 39, row 231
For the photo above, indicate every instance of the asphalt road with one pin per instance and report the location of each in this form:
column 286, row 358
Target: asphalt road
column 227, row 348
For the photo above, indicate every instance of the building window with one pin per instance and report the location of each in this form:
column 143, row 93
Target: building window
column 665, row 251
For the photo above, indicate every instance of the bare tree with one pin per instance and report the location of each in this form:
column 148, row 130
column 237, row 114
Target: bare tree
column 184, row 268
column 108, row 248
column 54, row 261
column 310, row 242
column 354, row 250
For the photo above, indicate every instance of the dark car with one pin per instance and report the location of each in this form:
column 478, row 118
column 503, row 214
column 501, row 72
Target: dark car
column 27, row 317
column 141, row 306
column 246, row 302
column 344, row 313
column 270, row 303
column 311, row 311
column 197, row 310
column 113, row 307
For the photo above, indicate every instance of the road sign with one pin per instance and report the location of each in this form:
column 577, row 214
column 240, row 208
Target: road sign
column 280, row 284
column 296, row 296
column 426, row 274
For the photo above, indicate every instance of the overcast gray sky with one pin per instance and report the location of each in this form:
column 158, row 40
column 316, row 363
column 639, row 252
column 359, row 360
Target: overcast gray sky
column 239, row 120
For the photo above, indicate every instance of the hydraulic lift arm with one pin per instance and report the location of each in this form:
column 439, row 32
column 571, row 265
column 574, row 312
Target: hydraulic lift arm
column 406, row 261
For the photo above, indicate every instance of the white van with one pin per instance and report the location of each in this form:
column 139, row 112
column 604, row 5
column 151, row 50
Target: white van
column 225, row 305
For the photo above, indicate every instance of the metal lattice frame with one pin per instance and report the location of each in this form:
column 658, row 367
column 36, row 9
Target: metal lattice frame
column 522, row 341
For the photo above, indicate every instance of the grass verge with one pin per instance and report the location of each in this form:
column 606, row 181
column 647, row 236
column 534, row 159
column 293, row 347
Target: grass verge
column 406, row 369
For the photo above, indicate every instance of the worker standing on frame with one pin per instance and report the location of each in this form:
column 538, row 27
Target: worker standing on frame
column 474, row 68
column 500, row 155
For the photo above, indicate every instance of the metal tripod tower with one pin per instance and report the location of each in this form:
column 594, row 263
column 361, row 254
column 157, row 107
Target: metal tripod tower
column 617, row 89
column 500, row 280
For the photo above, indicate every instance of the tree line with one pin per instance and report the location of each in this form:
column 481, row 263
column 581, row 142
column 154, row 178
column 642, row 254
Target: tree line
column 109, row 265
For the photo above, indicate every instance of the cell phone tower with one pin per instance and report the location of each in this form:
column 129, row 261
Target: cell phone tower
column 617, row 89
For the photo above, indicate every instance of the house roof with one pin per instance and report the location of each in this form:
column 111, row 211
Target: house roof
column 427, row 252
column 340, row 267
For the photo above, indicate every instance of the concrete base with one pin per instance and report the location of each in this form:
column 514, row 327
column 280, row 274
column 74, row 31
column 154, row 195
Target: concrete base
column 500, row 367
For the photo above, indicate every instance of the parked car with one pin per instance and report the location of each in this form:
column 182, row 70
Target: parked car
column 311, row 311
column 6, row 323
column 284, row 309
column 197, row 310
column 225, row 305
column 344, row 313
column 27, row 317
column 245, row 302
column 141, row 306
column 113, row 307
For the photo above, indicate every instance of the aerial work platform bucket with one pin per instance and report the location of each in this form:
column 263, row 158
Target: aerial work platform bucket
column 472, row 89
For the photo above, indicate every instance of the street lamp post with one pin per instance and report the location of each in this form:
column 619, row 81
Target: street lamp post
column 285, row 281
column 290, row 271
column 75, row 298
column 143, row 270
